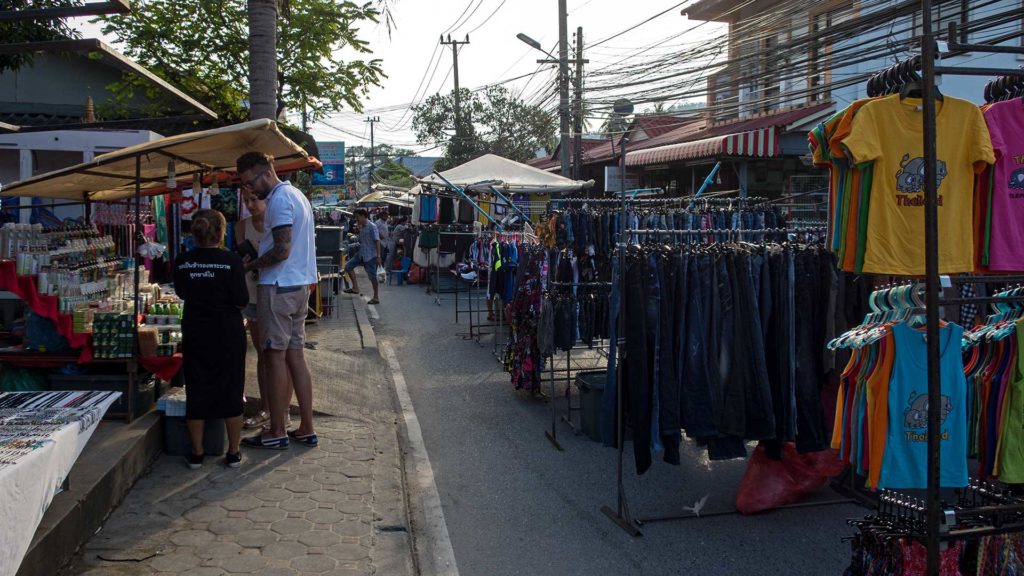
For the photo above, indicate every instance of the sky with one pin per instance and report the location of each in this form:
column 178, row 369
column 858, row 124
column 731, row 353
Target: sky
column 411, row 52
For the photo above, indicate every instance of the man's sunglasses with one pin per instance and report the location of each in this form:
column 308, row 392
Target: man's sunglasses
column 248, row 183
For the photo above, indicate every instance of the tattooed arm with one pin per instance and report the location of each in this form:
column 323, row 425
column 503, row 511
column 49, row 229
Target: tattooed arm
column 278, row 253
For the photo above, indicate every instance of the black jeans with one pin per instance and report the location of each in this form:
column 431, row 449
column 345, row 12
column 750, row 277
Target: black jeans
column 636, row 374
column 668, row 384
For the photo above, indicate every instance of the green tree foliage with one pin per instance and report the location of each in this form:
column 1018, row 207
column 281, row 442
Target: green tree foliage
column 386, row 169
column 493, row 121
column 202, row 47
column 32, row 30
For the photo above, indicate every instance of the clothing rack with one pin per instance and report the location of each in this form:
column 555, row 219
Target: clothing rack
column 552, row 435
column 929, row 69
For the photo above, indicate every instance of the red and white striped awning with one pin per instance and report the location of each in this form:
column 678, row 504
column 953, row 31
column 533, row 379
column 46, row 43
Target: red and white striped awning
column 761, row 143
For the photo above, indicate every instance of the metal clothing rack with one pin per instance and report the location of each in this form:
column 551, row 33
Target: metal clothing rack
column 552, row 435
column 929, row 69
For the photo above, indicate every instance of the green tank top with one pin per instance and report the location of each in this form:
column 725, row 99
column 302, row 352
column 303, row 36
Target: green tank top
column 1011, row 449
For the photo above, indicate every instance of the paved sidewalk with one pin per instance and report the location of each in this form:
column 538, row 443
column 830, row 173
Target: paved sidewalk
column 336, row 509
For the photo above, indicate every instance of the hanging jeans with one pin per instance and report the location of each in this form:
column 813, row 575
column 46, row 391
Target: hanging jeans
column 636, row 376
column 668, row 385
column 654, row 340
column 610, row 396
column 813, row 298
column 697, row 386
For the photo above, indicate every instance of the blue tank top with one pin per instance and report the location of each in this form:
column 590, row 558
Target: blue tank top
column 906, row 448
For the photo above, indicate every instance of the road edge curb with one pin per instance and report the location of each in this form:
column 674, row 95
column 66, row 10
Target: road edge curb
column 432, row 547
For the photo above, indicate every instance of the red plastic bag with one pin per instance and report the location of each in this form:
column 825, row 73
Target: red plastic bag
column 770, row 483
column 415, row 274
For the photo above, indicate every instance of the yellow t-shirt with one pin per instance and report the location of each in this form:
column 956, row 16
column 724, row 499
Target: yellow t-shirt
column 889, row 131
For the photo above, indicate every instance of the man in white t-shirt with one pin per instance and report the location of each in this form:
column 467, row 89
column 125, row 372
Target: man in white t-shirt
column 287, row 265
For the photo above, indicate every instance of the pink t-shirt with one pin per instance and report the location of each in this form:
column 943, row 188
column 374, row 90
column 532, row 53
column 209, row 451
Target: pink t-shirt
column 1006, row 126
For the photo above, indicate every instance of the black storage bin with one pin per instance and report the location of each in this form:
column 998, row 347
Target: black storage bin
column 177, row 442
column 591, row 386
column 145, row 389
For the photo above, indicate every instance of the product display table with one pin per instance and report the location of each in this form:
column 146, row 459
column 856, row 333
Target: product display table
column 41, row 436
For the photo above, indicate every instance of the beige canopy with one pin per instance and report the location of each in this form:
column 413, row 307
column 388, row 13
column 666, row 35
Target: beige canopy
column 112, row 176
column 509, row 175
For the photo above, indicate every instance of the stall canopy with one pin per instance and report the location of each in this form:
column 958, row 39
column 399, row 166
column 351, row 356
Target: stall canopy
column 403, row 199
column 112, row 176
column 491, row 170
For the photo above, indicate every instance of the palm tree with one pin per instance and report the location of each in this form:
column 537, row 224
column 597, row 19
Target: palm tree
column 262, row 59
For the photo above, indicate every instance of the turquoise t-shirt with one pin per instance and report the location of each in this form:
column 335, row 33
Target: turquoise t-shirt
column 906, row 450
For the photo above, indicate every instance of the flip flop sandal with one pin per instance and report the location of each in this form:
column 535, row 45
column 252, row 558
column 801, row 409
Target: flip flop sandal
column 257, row 421
column 374, row 301
column 349, row 291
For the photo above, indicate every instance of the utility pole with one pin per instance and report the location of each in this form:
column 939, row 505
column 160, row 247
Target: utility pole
column 563, row 85
column 373, row 155
column 455, row 69
column 577, row 129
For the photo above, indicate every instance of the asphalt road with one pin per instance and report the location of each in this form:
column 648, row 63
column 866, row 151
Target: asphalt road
column 514, row 505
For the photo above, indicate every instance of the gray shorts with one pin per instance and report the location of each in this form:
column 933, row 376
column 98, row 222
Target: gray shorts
column 282, row 316
column 250, row 313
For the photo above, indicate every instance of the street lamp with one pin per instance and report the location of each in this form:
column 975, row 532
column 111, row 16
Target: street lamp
column 563, row 92
column 532, row 43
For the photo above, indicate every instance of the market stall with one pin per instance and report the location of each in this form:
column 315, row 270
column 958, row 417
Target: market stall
column 92, row 285
column 41, row 436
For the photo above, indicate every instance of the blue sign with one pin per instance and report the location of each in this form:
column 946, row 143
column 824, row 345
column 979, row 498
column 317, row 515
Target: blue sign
column 334, row 175
column 332, row 154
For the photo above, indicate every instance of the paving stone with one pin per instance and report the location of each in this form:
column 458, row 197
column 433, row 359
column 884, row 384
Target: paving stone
column 351, row 528
column 314, row 564
column 175, row 563
column 355, row 470
column 328, row 496
column 255, row 538
column 279, row 477
column 276, row 571
column 360, row 442
column 298, row 504
column 265, row 514
column 331, row 478
column 243, row 564
column 323, row 516
column 192, row 538
column 310, row 469
column 205, row 514
column 241, row 503
column 357, row 487
column 284, row 550
column 331, row 462
column 273, row 495
column 219, row 550
column 333, row 447
column 319, row 538
column 360, row 456
column 348, row 552
column 291, row 526
column 206, row 571
column 302, row 486
column 352, row 507
column 230, row 525
column 311, row 455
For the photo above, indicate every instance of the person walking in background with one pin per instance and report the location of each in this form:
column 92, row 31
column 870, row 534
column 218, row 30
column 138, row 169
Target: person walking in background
column 396, row 236
column 287, row 268
column 211, row 281
column 368, row 256
column 384, row 231
column 251, row 230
